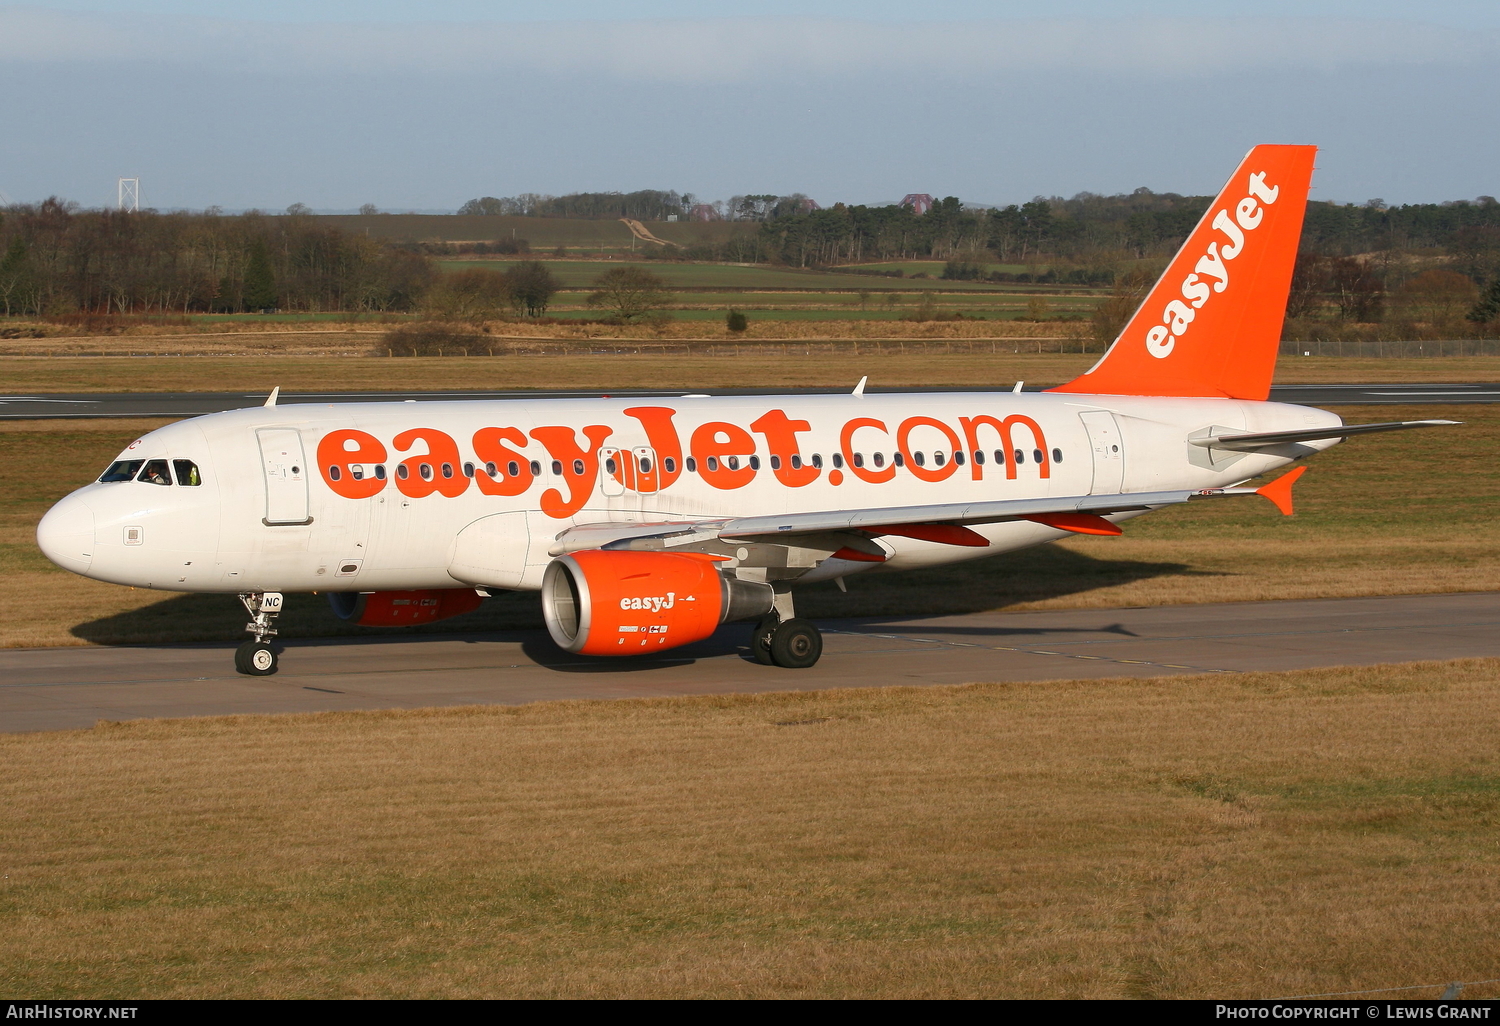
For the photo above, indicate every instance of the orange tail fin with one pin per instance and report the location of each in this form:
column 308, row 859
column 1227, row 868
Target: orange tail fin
column 1211, row 326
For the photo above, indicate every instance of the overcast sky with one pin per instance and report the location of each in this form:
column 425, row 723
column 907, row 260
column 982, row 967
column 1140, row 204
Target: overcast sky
column 425, row 105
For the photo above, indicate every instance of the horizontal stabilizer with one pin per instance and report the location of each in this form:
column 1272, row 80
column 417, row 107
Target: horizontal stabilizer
column 1268, row 439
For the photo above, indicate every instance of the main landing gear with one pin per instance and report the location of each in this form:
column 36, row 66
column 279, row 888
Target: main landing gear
column 795, row 644
column 257, row 658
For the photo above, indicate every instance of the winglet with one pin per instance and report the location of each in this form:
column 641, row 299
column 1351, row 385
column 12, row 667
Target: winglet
column 859, row 389
column 271, row 399
column 1279, row 491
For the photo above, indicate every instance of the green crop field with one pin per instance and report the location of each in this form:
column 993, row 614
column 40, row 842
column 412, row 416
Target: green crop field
column 581, row 273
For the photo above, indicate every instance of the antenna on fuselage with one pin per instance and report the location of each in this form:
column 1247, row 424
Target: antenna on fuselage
column 1017, row 389
column 271, row 399
column 859, row 389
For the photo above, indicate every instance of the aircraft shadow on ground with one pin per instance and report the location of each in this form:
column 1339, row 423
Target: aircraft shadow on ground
column 875, row 599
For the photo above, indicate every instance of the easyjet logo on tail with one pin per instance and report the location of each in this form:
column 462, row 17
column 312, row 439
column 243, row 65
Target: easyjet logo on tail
column 1217, row 310
column 1211, row 269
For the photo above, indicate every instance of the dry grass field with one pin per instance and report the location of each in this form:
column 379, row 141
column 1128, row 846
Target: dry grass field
column 1403, row 513
column 1250, row 835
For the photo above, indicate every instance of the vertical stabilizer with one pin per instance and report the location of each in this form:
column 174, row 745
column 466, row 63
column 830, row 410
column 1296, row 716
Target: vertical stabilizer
column 1211, row 326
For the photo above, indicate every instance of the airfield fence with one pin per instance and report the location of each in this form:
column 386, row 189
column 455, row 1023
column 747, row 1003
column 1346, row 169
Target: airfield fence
column 1395, row 348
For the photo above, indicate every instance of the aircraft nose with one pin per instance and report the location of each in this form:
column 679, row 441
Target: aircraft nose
column 66, row 535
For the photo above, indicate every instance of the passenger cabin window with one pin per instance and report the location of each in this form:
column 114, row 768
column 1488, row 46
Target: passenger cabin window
column 121, row 470
column 938, row 459
column 557, row 468
column 1020, row 457
column 917, row 458
column 859, row 459
column 401, row 471
column 536, row 468
column 669, row 465
column 156, row 473
column 958, row 457
column 979, row 457
column 817, row 460
column 1036, row 456
column 609, row 465
column 447, row 470
column 898, row 459
column 776, row 462
column 426, row 471
column 754, row 462
column 1056, row 455
column 187, row 473
column 578, row 468
column 880, row 459
column 692, row 465
column 838, row 460
column 380, row 471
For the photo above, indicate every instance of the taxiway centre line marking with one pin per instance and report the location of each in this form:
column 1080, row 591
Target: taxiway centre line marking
column 1467, row 391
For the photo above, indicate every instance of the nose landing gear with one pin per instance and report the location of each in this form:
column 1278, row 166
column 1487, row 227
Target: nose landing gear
column 257, row 658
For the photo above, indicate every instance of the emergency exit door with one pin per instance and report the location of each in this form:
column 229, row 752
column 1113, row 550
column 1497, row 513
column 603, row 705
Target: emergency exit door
column 285, row 472
column 1108, row 451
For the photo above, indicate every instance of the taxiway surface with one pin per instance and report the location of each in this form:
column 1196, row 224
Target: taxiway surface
column 80, row 405
column 53, row 689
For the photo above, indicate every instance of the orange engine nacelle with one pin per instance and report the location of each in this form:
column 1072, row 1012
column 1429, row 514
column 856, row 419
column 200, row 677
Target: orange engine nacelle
column 402, row 608
column 599, row 602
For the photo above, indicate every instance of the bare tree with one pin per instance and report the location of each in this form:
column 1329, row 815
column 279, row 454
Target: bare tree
column 531, row 286
column 470, row 295
column 630, row 293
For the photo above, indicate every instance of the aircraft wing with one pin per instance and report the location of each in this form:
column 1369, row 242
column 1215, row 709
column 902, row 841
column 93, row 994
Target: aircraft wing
column 946, row 523
column 880, row 520
column 1268, row 439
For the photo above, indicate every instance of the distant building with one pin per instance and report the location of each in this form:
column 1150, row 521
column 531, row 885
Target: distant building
column 919, row 202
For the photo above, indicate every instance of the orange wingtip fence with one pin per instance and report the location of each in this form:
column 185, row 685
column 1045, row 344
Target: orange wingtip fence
column 1279, row 491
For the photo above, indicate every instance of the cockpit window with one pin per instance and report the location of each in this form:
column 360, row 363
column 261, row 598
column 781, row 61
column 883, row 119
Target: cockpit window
column 187, row 473
column 121, row 470
column 156, row 473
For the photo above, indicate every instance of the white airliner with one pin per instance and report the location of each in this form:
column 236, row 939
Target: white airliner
column 645, row 524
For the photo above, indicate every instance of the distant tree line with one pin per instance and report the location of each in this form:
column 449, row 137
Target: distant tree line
column 644, row 205
column 58, row 259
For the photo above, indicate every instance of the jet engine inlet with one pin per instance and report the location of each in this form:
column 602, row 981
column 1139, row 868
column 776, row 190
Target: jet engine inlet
column 599, row 602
